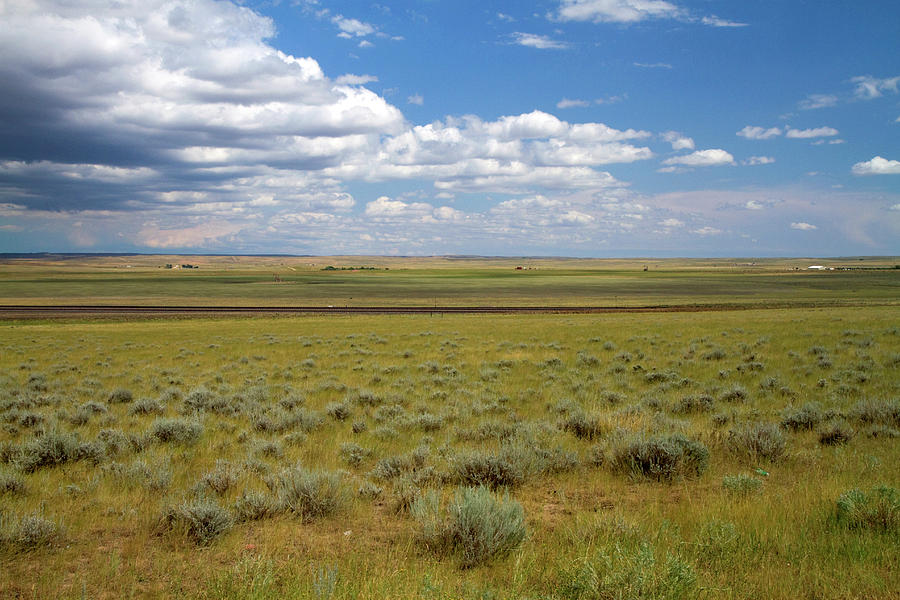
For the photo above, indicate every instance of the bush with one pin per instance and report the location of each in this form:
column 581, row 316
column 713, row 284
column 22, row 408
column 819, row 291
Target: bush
column 735, row 393
column 11, row 483
column 338, row 411
column 353, row 454
column 877, row 412
column 583, row 426
column 663, row 459
column 476, row 526
column 807, row 417
column 837, row 434
column 120, row 396
column 254, row 506
column 27, row 533
column 741, row 485
column 53, row 449
column 481, row 469
column 147, row 406
column 694, row 404
column 201, row 521
column 178, row 431
column 309, row 494
column 878, row 509
column 759, row 441
column 220, row 479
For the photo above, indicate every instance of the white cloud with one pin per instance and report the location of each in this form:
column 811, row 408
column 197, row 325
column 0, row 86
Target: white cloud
column 352, row 27
column 811, row 133
column 615, row 11
column 350, row 79
column 715, row 21
column 505, row 17
column 678, row 141
column 672, row 223
column 416, row 99
column 877, row 166
column 705, row 231
column 754, row 205
column 657, row 65
column 702, row 158
column 814, row 101
column 758, row 160
column 801, row 226
column 759, row 133
column 196, row 236
column 541, row 42
column 868, row 87
column 567, row 103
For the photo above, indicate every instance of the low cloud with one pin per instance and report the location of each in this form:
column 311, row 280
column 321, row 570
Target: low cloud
column 877, row 166
column 678, row 141
column 752, row 132
column 811, row 133
column 801, row 226
column 541, row 42
column 814, row 101
column 758, row 160
column 868, row 87
column 702, row 158
column 567, row 103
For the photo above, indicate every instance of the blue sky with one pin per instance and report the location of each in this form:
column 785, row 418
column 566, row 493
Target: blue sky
column 558, row 127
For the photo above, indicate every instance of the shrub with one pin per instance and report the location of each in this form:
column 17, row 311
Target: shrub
column 476, row 526
column 663, row 459
column 583, row 426
column 759, row 441
column 27, row 533
column 877, row 412
column 254, row 506
column 836, row 434
column 339, row 411
column 201, row 521
column 807, row 417
column 178, row 431
column 147, row 406
column 735, row 393
column 55, row 448
column 353, row 454
column 220, row 479
column 741, row 485
column 11, row 483
column 120, row 396
column 481, row 469
column 310, row 494
column 693, row 404
column 878, row 509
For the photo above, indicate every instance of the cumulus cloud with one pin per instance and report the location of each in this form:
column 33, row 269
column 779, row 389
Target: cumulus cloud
column 541, row 42
column 702, row 158
column 187, row 237
column 877, row 166
column 352, row 27
column 801, row 226
column 678, row 141
column 752, row 132
column 868, row 87
column 811, row 133
column 416, row 99
column 672, row 223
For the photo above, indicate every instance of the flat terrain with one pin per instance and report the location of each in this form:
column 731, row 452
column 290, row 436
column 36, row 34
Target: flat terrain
column 719, row 454
column 373, row 281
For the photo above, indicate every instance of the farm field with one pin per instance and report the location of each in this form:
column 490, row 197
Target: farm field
column 741, row 454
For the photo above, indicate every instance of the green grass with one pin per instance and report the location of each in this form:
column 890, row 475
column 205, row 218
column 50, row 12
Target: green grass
column 237, row 477
column 461, row 282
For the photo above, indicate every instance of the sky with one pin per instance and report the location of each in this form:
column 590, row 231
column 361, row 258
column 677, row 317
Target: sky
column 594, row 128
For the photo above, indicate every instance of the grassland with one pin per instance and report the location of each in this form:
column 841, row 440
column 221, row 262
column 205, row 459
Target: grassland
column 736, row 454
column 251, row 281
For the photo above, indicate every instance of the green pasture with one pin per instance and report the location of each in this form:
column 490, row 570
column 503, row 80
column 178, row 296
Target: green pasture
column 460, row 283
column 168, row 458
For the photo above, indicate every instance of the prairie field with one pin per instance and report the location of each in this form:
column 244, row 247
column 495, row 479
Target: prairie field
column 734, row 454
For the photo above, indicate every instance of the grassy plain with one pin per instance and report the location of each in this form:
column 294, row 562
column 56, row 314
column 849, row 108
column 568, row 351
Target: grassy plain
column 250, row 281
column 280, row 457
